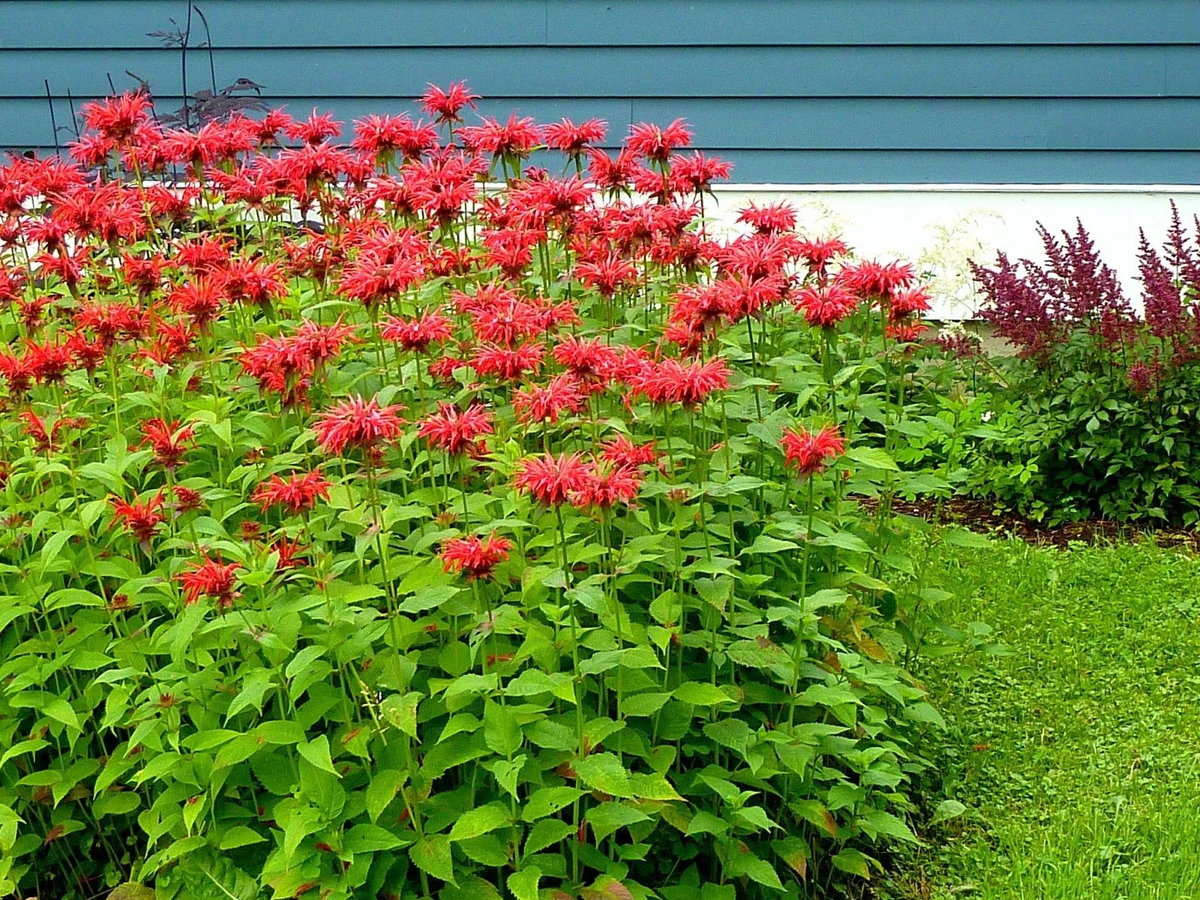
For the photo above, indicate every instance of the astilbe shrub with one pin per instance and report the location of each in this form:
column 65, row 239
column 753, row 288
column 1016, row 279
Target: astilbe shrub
column 398, row 519
column 1096, row 415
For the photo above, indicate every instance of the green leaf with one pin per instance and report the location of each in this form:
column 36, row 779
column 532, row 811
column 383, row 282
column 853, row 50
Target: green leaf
column 755, row 869
column 60, row 710
column 732, row 733
column 853, row 862
column 961, row 537
column 764, row 543
column 470, row 887
column 68, row 597
column 365, row 838
column 524, row 884
column 604, row 772
column 302, row 660
column 549, row 800
column 507, row 772
column 873, row 458
column 824, row 598
column 705, row 822
column 382, row 790
column 946, row 810
column 131, row 891
column 280, row 731
column 608, row 817
column 545, row 833
column 487, row 850
column 925, row 714
column 644, row 704
column 316, row 752
column 795, row 852
column 500, row 730
column 483, row 820
column 843, row 540
column 432, row 855
column 888, row 825
column 239, row 836
column 652, row 787
column 701, row 694
column 53, row 547
column 401, row 711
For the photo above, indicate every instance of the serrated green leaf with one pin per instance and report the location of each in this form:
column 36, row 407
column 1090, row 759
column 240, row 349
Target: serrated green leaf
column 549, row 800
column 432, row 854
column 316, row 752
column 545, row 833
column 482, row 820
column 604, row 772
column 701, row 694
column 524, row 884
column 607, row 817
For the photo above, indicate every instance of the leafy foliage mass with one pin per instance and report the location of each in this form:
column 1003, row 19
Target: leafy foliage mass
column 374, row 530
column 1097, row 416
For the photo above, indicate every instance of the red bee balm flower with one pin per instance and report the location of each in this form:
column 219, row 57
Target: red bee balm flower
column 825, row 306
column 142, row 519
column 417, row 334
column 549, row 479
column 605, row 485
column 455, row 430
column 473, row 556
column 445, row 105
column 688, row 384
column 209, row 578
column 296, row 492
column 811, row 452
column 169, row 440
column 356, row 423
column 536, row 403
column 625, row 452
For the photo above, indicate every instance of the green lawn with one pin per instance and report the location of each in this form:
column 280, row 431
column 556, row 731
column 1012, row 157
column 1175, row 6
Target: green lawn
column 1078, row 755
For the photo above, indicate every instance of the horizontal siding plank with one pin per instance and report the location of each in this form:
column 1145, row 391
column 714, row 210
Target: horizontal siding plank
column 625, row 22
column 880, row 125
column 442, row 23
column 47, row 24
column 635, row 71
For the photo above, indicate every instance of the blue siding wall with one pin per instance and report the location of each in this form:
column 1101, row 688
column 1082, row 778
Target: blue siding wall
column 793, row 91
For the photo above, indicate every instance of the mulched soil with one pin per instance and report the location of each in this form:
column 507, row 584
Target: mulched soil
column 982, row 516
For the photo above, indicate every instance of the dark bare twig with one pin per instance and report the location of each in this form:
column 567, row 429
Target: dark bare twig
column 212, row 67
column 74, row 120
column 183, row 49
column 53, row 121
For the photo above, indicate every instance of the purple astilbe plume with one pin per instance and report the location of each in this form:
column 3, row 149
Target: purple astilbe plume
column 1037, row 308
column 1020, row 312
column 1083, row 288
column 1181, row 257
column 1161, row 298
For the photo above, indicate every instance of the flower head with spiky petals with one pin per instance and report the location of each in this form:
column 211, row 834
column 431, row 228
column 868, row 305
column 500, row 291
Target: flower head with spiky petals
column 550, row 479
column 474, row 556
column 357, row 423
column 456, row 430
column 209, row 578
column 812, row 452
column 297, row 492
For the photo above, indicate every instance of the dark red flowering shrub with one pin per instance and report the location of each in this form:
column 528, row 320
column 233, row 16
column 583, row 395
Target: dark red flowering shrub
column 374, row 530
column 1098, row 415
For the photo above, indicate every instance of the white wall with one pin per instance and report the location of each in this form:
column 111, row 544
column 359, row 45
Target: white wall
column 940, row 227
